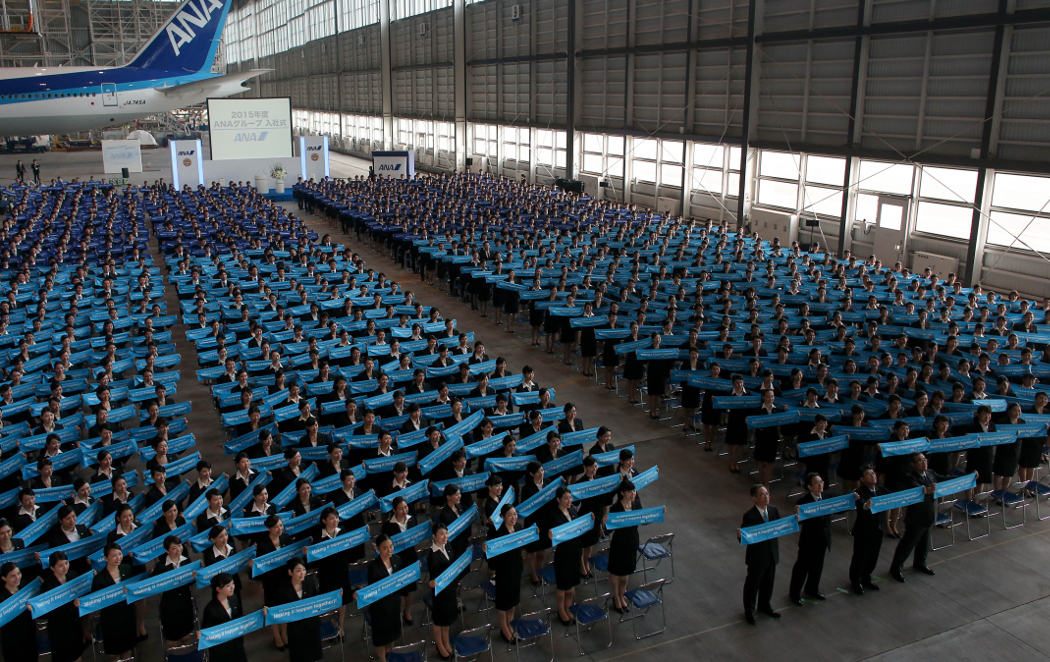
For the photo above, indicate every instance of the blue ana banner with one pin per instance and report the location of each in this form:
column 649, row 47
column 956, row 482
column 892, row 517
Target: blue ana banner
column 232, row 564
column 388, row 585
column 828, row 506
column 411, row 537
column 906, row 447
column 590, row 488
column 47, row 602
column 23, row 558
column 76, row 550
column 340, row 543
column 300, row 523
column 466, row 425
column 386, row 464
column 463, row 522
column 357, row 505
column 467, row 483
column 238, row 504
column 736, row 401
column 572, row 529
column 564, row 463
column 657, row 354
column 37, row 528
column 153, row 512
column 750, row 535
column 823, row 446
column 952, row 444
column 896, row 499
column 286, row 494
column 646, row 477
column 508, row 497
column 246, row 526
column 458, row 567
column 534, row 502
column 150, row 550
column 997, row 438
column 534, row 440
column 516, row 463
column 639, row 517
column 955, row 485
column 17, row 603
column 439, row 455
column 106, row 597
column 411, row 494
column 302, row 609
column 199, row 505
column 759, row 421
column 238, row 627
column 612, row 457
column 165, row 581
column 486, row 446
column 511, row 541
column 275, row 559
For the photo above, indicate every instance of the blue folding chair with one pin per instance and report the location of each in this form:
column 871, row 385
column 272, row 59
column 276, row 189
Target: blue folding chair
column 644, row 599
column 183, row 653
column 530, row 628
column 472, row 643
column 414, row 652
column 330, row 635
column 589, row 613
column 654, row 550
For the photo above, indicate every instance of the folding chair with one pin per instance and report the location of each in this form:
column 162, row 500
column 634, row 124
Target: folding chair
column 945, row 520
column 330, row 636
column 471, row 644
column 183, row 653
column 1038, row 490
column 974, row 510
column 547, row 578
column 599, row 563
column 644, row 599
column 654, row 550
column 414, row 652
column 43, row 642
column 1008, row 501
column 589, row 613
column 530, row 628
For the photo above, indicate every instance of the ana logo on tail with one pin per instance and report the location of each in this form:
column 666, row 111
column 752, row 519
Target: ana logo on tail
column 197, row 13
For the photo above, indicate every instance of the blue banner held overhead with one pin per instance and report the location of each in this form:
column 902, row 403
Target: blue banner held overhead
column 303, row 609
column 48, row 601
column 586, row 489
column 23, row 558
column 440, row 454
column 43, row 523
column 341, row 543
column 610, row 458
column 238, row 627
column 563, row 463
column 898, row 499
column 386, row 464
column 823, row 446
column 952, row 444
column 646, row 477
column 516, row 463
column 457, row 568
column 537, row 500
column 463, row 522
column 572, row 529
column 639, row 517
column 153, row 548
column 511, row 541
column 77, row 549
column 508, row 497
column 19, row 602
column 106, row 597
column 388, row 585
column 357, row 505
column 411, row 494
column 467, row 483
column 955, row 485
column 165, row 581
column 828, row 506
column 231, row 564
column 761, row 421
column 750, row 535
column 412, row 537
column 275, row 559
column 906, row 447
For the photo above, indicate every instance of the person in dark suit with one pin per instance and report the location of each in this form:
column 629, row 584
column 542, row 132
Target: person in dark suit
column 917, row 521
column 761, row 557
column 814, row 541
column 867, row 533
column 223, row 608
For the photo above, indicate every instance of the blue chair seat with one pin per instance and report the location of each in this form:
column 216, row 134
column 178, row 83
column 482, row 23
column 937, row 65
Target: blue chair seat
column 943, row 519
column 1009, row 498
column 414, row 656
column 529, row 629
column 587, row 614
column 600, row 562
column 358, row 578
column 477, row 553
column 642, row 599
column 653, row 551
column 467, row 646
column 490, row 589
column 329, row 630
column 195, row 656
column 548, row 576
column 1039, row 488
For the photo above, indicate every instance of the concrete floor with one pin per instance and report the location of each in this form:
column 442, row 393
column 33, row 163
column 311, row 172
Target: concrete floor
column 984, row 604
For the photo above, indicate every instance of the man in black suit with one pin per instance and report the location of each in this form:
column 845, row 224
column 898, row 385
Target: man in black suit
column 814, row 541
column 867, row 533
column 761, row 557
column 917, row 521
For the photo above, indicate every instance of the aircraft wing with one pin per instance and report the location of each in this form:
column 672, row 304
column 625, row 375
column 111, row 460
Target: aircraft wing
column 225, row 85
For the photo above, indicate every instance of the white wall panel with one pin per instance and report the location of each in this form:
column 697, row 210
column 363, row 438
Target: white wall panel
column 602, row 102
column 718, row 107
column 659, row 91
column 782, row 15
column 661, row 21
column 604, row 24
column 1024, row 132
column 721, row 19
column 549, row 91
column 515, row 92
column 551, row 25
column 482, row 100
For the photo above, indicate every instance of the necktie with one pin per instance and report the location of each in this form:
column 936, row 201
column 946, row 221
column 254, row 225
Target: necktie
column 764, row 517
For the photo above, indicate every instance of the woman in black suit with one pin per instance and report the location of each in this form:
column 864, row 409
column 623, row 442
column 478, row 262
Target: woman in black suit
column 448, row 514
column 571, row 422
column 691, row 394
column 623, row 548
column 304, row 636
column 271, row 540
column 493, row 494
column 507, row 568
column 332, row 570
column 349, row 492
column 443, row 610
column 1004, row 466
column 656, row 374
column 821, row 463
column 736, row 426
column 595, row 505
column 176, row 606
column 117, row 621
column 398, row 522
column 610, row 359
column 221, row 549
column 535, row 551
column 711, row 418
column 65, row 630
column 223, row 608
column 633, row 369
column 980, row 459
column 566, row 556
column 384, row 613
column 767, row 440
column 18, row 637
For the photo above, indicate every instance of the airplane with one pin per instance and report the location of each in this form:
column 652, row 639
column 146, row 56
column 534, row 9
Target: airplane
column 173, row 70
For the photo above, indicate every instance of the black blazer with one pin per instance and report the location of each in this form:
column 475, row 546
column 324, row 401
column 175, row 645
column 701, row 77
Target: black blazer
column 815, row 532
column 867, row 524
column 923, row 513
column 766, row 553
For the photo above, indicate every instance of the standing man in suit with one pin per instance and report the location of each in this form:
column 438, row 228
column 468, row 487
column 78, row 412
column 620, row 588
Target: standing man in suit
column 867, row 533
column 814, row 541
column 917, row 521
column 761, row 557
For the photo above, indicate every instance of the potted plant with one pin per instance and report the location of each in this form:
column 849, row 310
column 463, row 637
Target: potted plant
column 278, row 173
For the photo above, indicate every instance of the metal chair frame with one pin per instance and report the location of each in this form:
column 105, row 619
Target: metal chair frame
column 483, row 631
column 665, row 540
column 604, row 599
column 656, row 588
column 541, row 615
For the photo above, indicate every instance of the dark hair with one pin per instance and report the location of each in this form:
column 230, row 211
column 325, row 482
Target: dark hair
column 172, row 540
column 272, row 521
column 756, row 487
column 625, row 486
column 55, row 557
column 220, row 580
column 214, row 532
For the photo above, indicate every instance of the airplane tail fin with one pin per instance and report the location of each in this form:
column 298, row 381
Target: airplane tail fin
column 188, row 40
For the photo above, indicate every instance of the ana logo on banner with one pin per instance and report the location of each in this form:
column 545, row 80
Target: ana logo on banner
column 388, row 585
column 47, row 602
column 17, row 603
column 446, row 578
column 504, row 544
column 508, row 497
column 571, row 530
column 302, row 609
column 828, row 506
column 463, row 522
column 767, row 531
column 231, row 630
column 231, row 564
column 340, row 543
column 639, row 517
column 533, row 503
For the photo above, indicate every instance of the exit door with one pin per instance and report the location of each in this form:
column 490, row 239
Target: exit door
column 891, row 229
column 109, row 94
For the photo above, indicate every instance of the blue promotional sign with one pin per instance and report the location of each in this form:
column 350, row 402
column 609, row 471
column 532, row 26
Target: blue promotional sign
column 153, row 512
column 302, row 609
column 516, row 463
column 534, row 440
column 23, row 557
column 77, row 549
column 388, row 585
column 508, row 497
column 17, row 603
column 200, row 503
column 896, row 499
column 165, row 581
column 47, row 602
column 467, row 483
column 639, row 517
column 340, row 543
column 457, row 568
column 612, row 457
column 952, row 444
column 646, row 477
column 736, row 401
column 759, row 421
column 463, row 522
column 828, row 506
column 533, row 503
column 357, row 505
column 823, row 446
column 466, row 425
column 106, row 597
column 275, row 559
column 286, row 494
column 411, row 494
column 300, row 523
column 504, row 544
column 906, row 447
column 231, row 564
column 440, row 454
column 150, row 550
column 586, row 489
column 563, row 463
column 656, row 354
column 238, row 627
column 750, row 535
column 572, row 529
column 997, row 438
column 380, row 465
column 411, row 537
column 955, row 485
column 485, row 446
column 43, row 523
